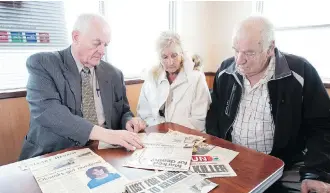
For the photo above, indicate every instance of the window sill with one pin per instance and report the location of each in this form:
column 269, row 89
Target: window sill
column 16, row 93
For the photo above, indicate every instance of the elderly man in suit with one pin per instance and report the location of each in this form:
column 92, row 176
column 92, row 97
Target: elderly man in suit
column 75, row 97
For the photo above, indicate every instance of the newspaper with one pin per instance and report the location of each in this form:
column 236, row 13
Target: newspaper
column 224, row 155
column 40, row 162
column 161, row 157
column 172, row 182
column 103, row 145
column 173, row 138
column 211, row 166
column 188, row 139
column 76, row 171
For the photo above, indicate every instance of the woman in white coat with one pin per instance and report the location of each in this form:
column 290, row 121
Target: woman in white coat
column 173, row 91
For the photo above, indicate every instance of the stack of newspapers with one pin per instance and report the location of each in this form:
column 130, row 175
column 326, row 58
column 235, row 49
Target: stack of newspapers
column 182, row 163
column 176, row 151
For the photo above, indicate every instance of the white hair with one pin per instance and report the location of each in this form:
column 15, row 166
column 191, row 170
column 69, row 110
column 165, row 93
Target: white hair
column 259, row 23
column 166, row 39
column 83, row 21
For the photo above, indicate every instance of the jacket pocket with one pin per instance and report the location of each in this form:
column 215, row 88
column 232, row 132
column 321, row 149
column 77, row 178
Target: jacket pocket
column 30, row 149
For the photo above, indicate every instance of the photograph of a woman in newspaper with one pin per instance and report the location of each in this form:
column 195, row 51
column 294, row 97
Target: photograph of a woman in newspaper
column 100, row 175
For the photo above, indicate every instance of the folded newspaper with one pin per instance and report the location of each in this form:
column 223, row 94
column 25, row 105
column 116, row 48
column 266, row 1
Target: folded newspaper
column 174, row 138
column 171, row 182
column 78, row 171
column 161, row 157
column 169, row 151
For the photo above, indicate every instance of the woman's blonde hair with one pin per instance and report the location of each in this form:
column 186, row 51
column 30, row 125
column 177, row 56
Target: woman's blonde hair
column 166, row 39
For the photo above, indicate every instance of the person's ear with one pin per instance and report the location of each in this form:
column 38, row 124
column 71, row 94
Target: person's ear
column 271, row 49
column 75, row 36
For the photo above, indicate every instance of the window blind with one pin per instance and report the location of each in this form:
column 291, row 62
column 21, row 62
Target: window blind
column 27, row 27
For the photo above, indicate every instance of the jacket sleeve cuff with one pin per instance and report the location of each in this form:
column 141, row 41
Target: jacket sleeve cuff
column 319, row 175
column 126, row 117
column 83, row 131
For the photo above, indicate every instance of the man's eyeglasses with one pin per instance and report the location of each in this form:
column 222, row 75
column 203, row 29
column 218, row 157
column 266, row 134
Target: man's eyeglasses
column 247, row 54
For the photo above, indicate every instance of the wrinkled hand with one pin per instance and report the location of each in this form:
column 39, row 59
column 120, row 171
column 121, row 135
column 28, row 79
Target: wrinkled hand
column 127, row 139
column 314, row 186
column 136, row 124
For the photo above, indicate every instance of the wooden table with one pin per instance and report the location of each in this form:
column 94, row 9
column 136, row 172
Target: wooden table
column 255, row 171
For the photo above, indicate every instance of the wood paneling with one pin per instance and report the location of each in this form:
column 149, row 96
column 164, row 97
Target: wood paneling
column 14, row 124
column 133, row 93
column 210, row 80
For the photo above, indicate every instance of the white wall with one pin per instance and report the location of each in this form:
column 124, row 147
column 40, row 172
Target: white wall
column 206, row 28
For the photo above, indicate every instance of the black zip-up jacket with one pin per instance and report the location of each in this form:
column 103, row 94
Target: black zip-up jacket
column 300, row 107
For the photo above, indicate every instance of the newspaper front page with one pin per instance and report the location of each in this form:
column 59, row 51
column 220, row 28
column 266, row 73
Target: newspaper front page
column 79, row 171
column 210, row 167
column 171, row 182
column 212, row 161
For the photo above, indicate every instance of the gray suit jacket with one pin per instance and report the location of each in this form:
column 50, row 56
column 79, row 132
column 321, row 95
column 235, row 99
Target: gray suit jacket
column 54, row 97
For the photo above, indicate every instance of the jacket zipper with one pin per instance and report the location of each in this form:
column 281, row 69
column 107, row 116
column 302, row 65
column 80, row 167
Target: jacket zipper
column 239, row 102
column 230, row 102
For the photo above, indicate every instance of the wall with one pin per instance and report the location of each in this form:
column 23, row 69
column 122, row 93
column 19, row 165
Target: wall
column 206, row 28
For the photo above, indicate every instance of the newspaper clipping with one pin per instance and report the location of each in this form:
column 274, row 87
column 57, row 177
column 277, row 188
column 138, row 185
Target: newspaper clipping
column 171, row 182
column 80, row 171
column 161, row 157
column 222, row 154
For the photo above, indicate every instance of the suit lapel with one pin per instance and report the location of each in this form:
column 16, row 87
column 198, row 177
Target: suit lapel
column 72, row 75
column 106, row 89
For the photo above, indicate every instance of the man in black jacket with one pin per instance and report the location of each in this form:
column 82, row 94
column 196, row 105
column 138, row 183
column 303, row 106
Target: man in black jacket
column 272, row 102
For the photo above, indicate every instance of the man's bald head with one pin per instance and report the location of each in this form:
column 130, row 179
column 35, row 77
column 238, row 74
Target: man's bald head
column 90, row 37
column 256, row 28
column 85, row 21
column 254, row 45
